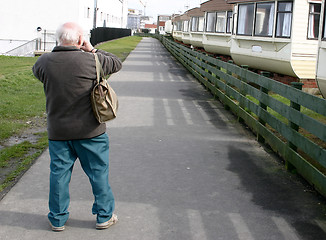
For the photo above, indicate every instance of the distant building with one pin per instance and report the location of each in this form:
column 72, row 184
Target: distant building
column 151, row 28
column 146, row 20
column 161, row 20
column 134, row 17
column 137, row 21
column 32, row 23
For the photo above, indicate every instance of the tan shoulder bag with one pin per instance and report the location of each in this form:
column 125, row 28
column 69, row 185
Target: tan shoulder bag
column 104, row 99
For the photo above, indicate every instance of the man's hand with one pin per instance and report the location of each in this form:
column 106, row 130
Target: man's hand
column 87, row 47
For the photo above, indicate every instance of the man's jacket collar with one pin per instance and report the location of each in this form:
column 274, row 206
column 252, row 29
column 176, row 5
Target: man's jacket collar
column 65, row 48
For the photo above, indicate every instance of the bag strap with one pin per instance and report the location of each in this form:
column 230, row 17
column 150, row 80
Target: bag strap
column 99, row 69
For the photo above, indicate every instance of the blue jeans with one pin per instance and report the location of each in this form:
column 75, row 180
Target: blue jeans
column 93, row 155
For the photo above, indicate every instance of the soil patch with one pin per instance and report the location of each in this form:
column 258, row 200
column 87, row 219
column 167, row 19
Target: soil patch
column 31, row 134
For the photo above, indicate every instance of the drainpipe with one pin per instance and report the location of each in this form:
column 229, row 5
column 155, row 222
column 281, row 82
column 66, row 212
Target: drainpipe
column 122, row 17
column 95, row 14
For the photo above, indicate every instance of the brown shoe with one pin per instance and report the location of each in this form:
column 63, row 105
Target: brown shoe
column 107, row 224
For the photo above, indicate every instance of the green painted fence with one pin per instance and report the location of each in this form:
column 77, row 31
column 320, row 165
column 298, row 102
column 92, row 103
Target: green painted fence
column 251, row 97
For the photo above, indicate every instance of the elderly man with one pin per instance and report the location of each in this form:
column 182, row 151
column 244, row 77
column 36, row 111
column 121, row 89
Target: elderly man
column 68, row 74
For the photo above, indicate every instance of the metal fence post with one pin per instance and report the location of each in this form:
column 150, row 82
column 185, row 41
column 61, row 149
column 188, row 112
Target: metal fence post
column 36, row 44
column 44, row 39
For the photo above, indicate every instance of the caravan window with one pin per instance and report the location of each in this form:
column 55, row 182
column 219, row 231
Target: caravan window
column 185, row 26
column 220, row 22
column 200, row 24
column 178, row 26
column 264, row 19
column 284, row 19
column 210, row 21
column 313, row 23
column 245, row 19
column 194, row 24
column 229, row 22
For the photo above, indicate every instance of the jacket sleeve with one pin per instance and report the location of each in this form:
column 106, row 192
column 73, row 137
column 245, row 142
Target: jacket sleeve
column 110, row 62
column 37, row 69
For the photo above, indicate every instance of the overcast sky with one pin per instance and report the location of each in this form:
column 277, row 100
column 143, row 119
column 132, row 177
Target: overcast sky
column 155, row 7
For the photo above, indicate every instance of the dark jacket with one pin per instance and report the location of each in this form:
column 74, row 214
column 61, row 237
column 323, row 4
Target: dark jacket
column 68, row 75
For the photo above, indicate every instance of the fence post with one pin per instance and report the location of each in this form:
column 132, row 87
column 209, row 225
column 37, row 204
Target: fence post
column 227, row 84
column 263, row 106
column 295, row 127
column 228, row 71
column 218, row 67
column 294, row 105
column 242, row 92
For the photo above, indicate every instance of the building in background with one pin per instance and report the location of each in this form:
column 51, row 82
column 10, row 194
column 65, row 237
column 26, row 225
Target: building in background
column 161, row 20
column 29, row 25
column 137, row 22
column 151, row 28
column 134, row 17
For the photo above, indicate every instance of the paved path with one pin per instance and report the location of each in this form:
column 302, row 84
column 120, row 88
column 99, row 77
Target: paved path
column 181, row 168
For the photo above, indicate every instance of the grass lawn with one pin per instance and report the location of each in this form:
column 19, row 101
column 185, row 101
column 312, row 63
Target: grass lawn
column 22, row 107
column 22, row 96
column 121, row 47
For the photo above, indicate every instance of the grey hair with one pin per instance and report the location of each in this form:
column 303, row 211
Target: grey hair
column 68, row 35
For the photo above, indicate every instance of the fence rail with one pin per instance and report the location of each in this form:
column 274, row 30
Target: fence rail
column 26, row 49
column 252, row 97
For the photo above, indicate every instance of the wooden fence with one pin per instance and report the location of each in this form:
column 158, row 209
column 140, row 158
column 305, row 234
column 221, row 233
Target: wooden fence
column 252, row 97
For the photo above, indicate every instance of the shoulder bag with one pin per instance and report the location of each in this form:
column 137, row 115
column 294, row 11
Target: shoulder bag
column 103, row 98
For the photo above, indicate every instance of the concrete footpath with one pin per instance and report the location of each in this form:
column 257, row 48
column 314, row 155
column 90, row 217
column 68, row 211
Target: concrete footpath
column 181, row 168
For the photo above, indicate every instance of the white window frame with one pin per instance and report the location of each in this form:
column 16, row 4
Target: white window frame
column 185, row 26
column 244, row 19
column 285, row 32
column 313, row 23
column 229, row 21
column 194, row 24
column 210, row 22
column 201, row 24
column 220, row 25
column 269, row 31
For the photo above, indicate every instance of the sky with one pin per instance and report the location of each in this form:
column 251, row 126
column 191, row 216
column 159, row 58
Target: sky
column 168, row 7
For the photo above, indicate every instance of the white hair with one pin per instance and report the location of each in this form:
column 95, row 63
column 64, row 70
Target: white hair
column 68, row 35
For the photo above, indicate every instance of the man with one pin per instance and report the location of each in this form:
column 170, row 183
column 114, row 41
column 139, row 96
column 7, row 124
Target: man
column 68, row 74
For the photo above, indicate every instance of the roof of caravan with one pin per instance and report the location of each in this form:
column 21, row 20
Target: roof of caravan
column 184, row 17
column 195, row 12
column 181, row 17
column 215, row 5
column 241, row 1
column 176, row 18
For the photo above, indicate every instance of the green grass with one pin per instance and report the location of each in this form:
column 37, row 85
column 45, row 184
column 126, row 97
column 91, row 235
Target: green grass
column 121, row 47
column 21, row 94
column 10, row 65
column 20, row 157
column 286, row 101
